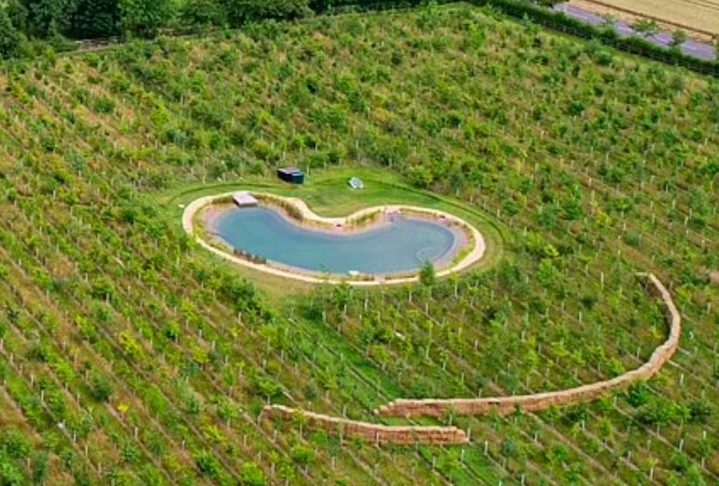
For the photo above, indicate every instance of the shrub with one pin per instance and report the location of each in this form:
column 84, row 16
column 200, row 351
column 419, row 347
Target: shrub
column 100, row 387
column 252, row 475
column 427, row 275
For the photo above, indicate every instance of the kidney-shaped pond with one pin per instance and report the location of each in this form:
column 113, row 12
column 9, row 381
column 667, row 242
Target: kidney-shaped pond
column 397, row 244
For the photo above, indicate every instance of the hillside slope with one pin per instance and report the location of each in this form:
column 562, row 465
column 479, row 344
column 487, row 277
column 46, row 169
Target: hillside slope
column 130, row 355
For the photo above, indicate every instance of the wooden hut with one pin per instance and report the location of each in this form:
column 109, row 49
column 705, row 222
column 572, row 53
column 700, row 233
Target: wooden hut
column 291, row 174
column 244, row 199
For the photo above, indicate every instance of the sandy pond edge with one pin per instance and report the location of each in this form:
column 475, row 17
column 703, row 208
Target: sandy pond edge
column 472, row 257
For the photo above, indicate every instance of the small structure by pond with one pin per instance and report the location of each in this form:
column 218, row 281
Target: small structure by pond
column 291, row 174
column 356, row 183
column 244, row 199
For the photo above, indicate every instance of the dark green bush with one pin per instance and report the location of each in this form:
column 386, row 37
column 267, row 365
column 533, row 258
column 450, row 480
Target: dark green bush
column 240, row 12
column 10, row 38
column 203, row 13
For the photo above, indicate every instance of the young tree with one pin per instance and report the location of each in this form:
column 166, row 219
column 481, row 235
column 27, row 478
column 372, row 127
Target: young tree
column 208, row 464
column 41, row 470
column 252, row 475
column 427, row 275
column 302, row 455
column 646, row 27
column 679, row 37
column 509, row 448
column 100, row 387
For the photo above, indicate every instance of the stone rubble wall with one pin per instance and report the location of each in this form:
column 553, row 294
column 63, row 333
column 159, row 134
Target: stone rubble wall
column 377, row 433
column 440, row 408
column 542, row 401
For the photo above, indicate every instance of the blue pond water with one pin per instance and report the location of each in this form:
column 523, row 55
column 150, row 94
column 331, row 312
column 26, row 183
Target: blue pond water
column 403, row 245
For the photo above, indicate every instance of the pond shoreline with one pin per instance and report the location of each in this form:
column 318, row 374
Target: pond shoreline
column 210, row 215
column 468, row 246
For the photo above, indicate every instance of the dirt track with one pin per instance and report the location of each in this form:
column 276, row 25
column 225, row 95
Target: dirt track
column 591, row 12
column 700, row 17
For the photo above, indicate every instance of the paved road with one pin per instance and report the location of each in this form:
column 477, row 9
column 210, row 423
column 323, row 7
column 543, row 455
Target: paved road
column 690, row 47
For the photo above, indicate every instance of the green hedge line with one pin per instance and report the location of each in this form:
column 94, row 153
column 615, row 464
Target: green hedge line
column 633, row 44
column 16, row 23
column 523, row 9
column 325, row 6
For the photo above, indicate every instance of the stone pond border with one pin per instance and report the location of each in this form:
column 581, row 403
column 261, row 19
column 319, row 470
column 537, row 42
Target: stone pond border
column 188, row 218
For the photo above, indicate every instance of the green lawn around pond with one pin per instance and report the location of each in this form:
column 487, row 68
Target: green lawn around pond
column 328, row 194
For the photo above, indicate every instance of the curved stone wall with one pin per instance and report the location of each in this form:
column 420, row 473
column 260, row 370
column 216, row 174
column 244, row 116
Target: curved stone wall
column 439, row 408
column 377, row 433
column 542, row 401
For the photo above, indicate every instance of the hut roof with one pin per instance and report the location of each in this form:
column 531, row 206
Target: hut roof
column 289, row 170
column 244, row 199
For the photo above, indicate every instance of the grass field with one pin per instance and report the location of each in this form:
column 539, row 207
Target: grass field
column 693, row 15
column 130, row 356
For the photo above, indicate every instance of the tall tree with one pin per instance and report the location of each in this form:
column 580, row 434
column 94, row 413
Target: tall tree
column 203, row 13
column 47, row 18
column 10, row 37
column 242, row 11
column 145, row 18
column 17, row 13
column 95, row 18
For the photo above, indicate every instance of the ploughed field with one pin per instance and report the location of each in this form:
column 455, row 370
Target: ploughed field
column 130, row 355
